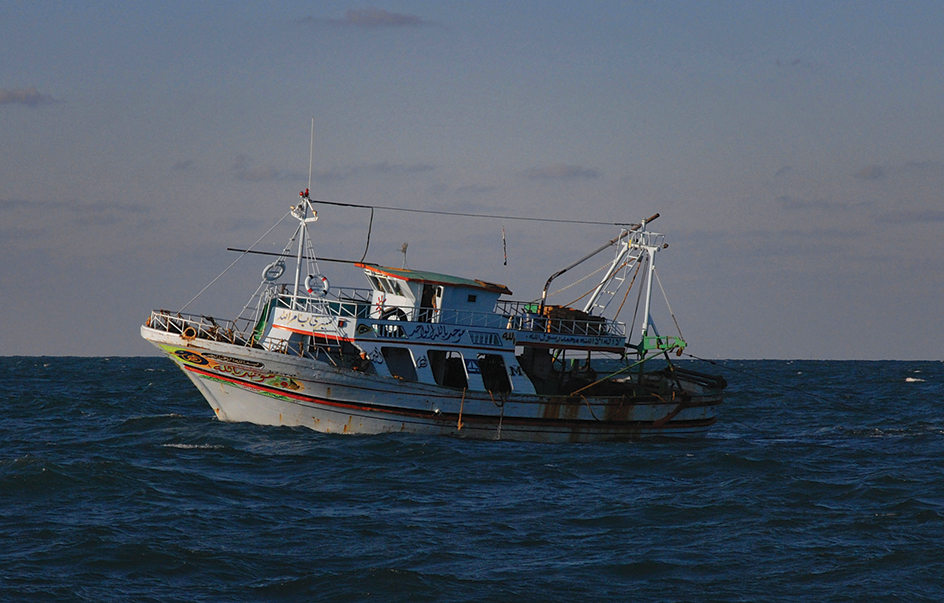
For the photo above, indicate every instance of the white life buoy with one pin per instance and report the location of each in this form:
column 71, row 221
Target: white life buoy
column 273, row 271
column 317, row 284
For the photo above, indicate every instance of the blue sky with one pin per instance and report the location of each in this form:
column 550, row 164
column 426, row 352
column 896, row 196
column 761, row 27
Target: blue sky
column 795, row 152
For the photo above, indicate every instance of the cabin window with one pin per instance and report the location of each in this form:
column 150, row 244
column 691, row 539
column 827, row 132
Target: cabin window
column 448, row 368
column 389, row 286
column 386, row 285
column 374, row 282
column 494, row 375
column 471, row 299
column 399, row 363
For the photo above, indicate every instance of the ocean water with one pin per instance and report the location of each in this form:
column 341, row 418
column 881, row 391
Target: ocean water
column 822, row 481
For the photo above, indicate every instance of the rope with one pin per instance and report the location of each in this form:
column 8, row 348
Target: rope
column 500, row 419
column 625, row 368
column 590, row 408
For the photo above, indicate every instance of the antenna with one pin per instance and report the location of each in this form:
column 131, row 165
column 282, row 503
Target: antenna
column 403, row 251
column 311, row 148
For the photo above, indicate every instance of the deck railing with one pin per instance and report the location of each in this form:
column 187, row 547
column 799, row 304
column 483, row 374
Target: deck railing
column 352, row 303
column 508, row 315
column 198, row 326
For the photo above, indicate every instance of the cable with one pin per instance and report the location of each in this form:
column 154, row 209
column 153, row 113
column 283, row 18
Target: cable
column 669, row 306
column 465, row 215
column 370, row 227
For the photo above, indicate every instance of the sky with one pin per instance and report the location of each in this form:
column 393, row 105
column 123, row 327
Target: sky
column 794, row 152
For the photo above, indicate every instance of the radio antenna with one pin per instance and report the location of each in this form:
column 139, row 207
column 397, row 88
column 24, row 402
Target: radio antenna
column 311, row 148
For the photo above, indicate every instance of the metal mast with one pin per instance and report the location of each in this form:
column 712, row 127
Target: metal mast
column 301, row 213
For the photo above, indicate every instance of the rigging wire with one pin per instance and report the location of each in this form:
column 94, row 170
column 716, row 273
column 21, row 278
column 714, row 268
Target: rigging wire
column 625, row 264
column 577, row 282
column 311, row 260
column 468, row 215
column 370, row 227
column 671, row 313
column 233, row 264
column 257, row 309
column 629, row 288
column 636, row 310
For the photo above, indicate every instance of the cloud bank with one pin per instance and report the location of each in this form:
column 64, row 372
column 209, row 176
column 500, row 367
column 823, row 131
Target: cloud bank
column 371, row 18
column 182, row 165
column 559, row 171
column 913, row 217
column 909, row 170
column 246, row 171
column 31, row 97
column 870, row 172
column 382, row 168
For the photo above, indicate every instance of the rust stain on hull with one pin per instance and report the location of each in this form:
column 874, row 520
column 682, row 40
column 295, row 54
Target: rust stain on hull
column 617, row 410
column 551, row 411
column 562, row 408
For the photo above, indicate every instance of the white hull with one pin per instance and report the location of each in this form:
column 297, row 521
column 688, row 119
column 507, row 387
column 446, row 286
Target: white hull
column 431, row 353
column 270, row 388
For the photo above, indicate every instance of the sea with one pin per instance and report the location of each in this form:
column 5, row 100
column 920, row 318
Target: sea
column 821, row 481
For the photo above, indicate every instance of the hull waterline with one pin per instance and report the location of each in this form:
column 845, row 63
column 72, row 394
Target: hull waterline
column 431, row 353
column 274, row 389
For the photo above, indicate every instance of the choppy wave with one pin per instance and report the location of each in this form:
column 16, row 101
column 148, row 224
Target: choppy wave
column 822, row 481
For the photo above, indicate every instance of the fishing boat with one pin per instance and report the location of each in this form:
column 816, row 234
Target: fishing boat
column 429, row 353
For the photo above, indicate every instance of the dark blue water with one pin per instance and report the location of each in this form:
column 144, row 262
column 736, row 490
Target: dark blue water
column 823, row 481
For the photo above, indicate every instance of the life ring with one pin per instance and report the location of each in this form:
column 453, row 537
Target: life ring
column 273, row 271
column 312, row 281
column 381, row 300
column 189, row 333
